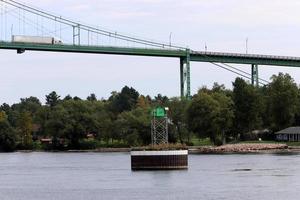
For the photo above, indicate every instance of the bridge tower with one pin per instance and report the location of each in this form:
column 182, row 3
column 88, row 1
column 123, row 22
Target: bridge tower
column 185, row 76
column 254, row 75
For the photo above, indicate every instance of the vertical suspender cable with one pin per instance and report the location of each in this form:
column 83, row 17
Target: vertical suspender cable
column 88, row 38
column 12, row 30
column 111, row 35
column 24, row 22
column 97, row 35
column 55, row 27
column 19, row 21
column 1, row 31
column 42, row 26
column 73, row 35
column 110, row 40
column 5, row 29
column 60, row 31
column 79, row 35
column 37, row 25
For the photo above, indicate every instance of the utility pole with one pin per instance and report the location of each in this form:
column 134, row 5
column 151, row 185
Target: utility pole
column 170, row 39
column 246, row 45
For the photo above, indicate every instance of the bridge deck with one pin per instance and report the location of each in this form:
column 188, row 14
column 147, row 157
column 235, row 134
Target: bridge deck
column 197, row 56
column 94, row 49
column 258, row 59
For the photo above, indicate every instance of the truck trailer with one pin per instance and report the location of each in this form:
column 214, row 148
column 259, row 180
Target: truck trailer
column 35, row 39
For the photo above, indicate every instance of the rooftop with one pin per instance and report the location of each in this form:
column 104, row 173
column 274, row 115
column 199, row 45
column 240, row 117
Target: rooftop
column 290, row 130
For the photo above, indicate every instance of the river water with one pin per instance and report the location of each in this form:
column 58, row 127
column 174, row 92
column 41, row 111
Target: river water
column 92, row 176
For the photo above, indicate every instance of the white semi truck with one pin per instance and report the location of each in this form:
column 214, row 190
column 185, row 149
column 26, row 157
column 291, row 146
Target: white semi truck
column 35, row 39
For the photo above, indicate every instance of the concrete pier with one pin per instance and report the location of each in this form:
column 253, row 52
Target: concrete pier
column 159, row 160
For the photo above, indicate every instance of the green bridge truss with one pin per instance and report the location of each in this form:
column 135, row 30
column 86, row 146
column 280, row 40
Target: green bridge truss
column 185, row 56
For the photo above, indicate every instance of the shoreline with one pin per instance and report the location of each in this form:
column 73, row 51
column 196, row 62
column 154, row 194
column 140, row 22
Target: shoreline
column 224, row 149
column 245, row 148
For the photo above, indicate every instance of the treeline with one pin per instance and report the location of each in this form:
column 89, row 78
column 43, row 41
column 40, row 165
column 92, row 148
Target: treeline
column 124, row 118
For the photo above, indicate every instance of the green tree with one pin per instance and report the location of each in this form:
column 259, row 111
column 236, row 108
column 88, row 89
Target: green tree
column 25, row 128
column 210, row 115
column 7, row 134
column 126, row 100
column 92, row 97
column 106, row 126
column 297, row 115
column 224, row 119
column 76, row 98
column 31, row 104
column 177, row 111
column 68, row 97
column 78, row 121
column 283, row 99
column 52, row 99
column 5, row 108
column 143, row 103
column 161, row 100
column 247, row 107
column 201, row 113
column 54, row 126
column 135, row 124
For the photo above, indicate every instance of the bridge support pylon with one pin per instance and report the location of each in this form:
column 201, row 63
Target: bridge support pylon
column 254, row 75
column 185, row 76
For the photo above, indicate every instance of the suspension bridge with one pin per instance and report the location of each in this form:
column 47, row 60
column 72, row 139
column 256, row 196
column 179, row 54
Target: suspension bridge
column 20, row 19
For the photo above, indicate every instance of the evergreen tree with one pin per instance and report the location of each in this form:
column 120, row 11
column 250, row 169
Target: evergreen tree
column 52, row 99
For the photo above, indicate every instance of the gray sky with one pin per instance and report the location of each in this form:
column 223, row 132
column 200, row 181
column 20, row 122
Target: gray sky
column 271, row 26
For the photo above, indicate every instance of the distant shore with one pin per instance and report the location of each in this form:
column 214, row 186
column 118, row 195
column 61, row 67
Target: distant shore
column 224, row 149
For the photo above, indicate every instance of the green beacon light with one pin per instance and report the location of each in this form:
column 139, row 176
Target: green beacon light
column 159, row 112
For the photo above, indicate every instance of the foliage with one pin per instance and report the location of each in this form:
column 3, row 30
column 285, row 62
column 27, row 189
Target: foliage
column 7, row 135
column 124, row 118
column 25, row 130
column 125, row 100
column 283, row 100
column 170, row 146
column 135, row 126
column 52, row 99
column 247, row 107
column 177, row 112
column 92, row 97
column 210, row 115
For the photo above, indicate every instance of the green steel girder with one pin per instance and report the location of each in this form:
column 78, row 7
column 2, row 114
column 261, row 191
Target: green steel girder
column 245, row 59
column 185, row 56
column 93, row 49
column 194, row 55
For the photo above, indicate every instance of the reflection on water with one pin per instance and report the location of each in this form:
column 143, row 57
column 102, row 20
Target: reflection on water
column 239, row 170
column 87, row 176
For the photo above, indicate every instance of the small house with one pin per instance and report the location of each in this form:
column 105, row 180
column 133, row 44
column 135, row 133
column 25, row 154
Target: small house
column 291, row 134
column 46, row 140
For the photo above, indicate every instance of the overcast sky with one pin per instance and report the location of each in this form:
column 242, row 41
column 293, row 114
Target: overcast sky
column 271, row 26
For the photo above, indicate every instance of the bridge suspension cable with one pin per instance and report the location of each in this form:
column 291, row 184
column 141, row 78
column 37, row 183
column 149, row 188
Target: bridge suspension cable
column 78, row 27
column 83, row 38
column 244, row 72
column 237, row 71
column 227, row 67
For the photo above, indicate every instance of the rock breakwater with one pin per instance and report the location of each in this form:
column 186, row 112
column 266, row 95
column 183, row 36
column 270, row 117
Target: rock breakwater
column 240, row 148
